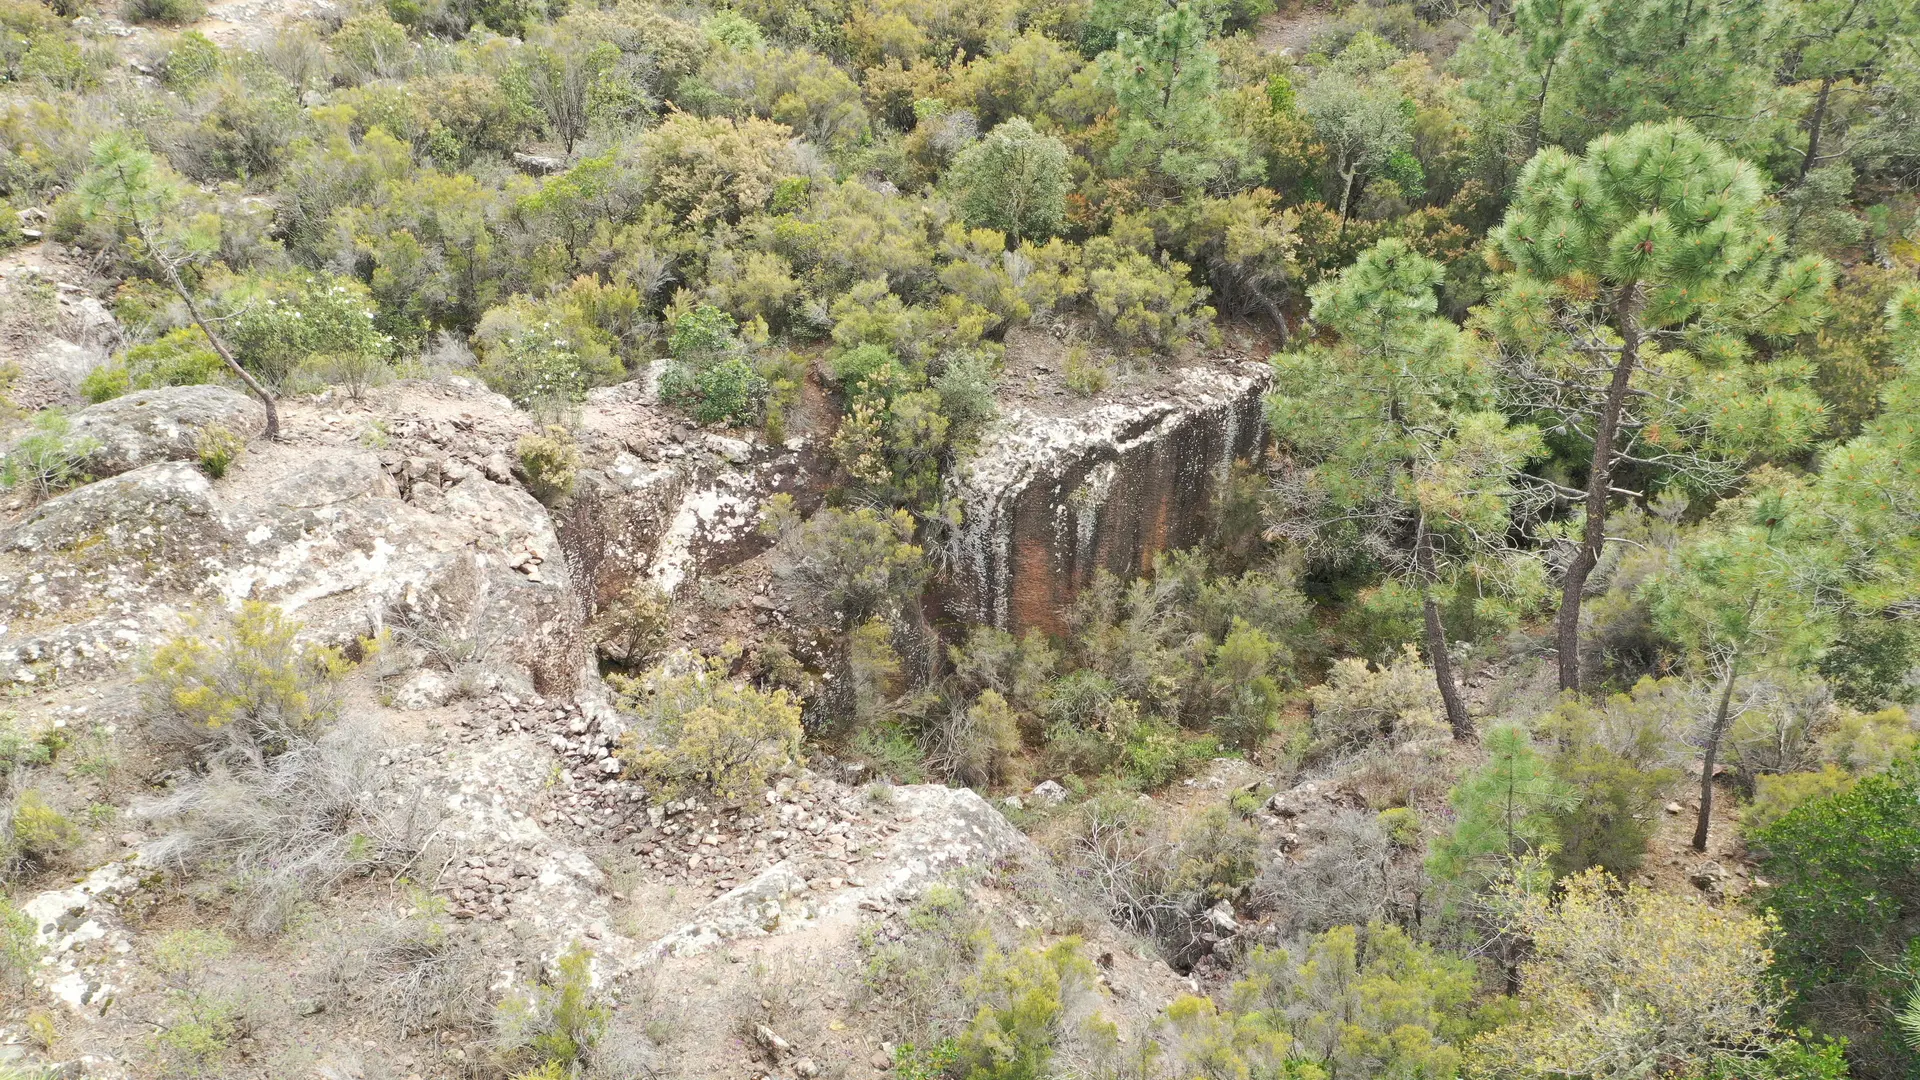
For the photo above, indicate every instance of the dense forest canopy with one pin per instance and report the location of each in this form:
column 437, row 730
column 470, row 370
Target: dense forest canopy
column 1591, row 481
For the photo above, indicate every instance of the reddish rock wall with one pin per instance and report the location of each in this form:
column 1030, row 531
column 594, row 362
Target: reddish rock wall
column 1051, row 500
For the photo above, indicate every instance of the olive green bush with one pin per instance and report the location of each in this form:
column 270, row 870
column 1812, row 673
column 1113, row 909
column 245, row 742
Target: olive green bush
column 702, row 731
column 708, row 373
column 240, row 691
column 550, row 461
column 543, row 353
column 556, row 1022
column 180, row 357
column 218, row 448
column 1361, row 704
column 633, row 628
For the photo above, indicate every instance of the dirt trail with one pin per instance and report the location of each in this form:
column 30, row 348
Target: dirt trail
column 1290, row 31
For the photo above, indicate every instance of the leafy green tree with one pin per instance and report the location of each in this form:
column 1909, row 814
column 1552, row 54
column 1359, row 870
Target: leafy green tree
column 1362, row 118
column 1166, row 82
column 1391, row 445
column 130, row 190
column 566, row 75
column 1652, row 237
column 1746, row 590
column 1845, row 874
column 1014, row 180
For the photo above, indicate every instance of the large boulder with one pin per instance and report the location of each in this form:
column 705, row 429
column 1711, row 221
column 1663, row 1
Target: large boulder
column 113, row 542
column 164, row 424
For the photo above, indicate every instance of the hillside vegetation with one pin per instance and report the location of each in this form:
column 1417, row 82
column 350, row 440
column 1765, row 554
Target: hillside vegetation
column 1559, row 640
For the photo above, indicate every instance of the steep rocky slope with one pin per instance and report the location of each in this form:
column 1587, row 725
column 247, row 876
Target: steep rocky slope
column 403, row 514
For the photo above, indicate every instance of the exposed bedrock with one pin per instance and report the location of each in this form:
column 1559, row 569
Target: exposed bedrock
column 1050, row 500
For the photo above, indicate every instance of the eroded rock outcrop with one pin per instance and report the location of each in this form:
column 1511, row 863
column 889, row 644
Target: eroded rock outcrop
column 89, row 577
column 164, row 424
column 1050, row 500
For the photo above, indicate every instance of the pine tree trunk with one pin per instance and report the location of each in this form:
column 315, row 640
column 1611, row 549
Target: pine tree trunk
column 1813, row 129
column 1538, row 119
column 1599, row 484
column 220, row 347
column 1457, row 719
column 1712, row 751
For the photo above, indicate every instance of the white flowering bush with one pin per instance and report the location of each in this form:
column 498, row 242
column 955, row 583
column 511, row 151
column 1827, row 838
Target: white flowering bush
column 534, row 352
column 317, row 322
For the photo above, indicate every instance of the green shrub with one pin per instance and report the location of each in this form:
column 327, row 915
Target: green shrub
column 558, row 1020
column 1845, row 874
column 192, row 60
column 707, row 374
column 204, row 1028
column 705, row 732
column 634, row 627
column 1611, row 764
column 551, row 462
column 277, row 325
column 1361, row 704
column 47, row 459
column 543, row 352
column 37, row 832
column 219, row 447
column 182, row 955
column 1086, row 377
column 242, row 127
column 1365, row 1001
column 1023, row 1002
column 709, row 170
column 165, row 12
column 371, row 46
column 106, row 382
column 975, row 745
column 1014, row 180
column 1774, row 797
column 19, row 948
column 1869, row 742
column 180, row 357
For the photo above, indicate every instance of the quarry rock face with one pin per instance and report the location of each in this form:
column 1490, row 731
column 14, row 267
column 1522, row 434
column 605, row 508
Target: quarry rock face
column 1051, row 500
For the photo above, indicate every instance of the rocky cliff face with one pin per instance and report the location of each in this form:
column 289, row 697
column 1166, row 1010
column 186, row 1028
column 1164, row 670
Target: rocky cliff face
column 1050, row 500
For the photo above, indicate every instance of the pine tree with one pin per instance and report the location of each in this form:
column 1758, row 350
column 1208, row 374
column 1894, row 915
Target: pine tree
column 1650, row 240
column 1836, row 41
column 1751, row 587
column 1649, row 61
column 1167, row 85
column 1503, row 810
column 137, row 194
column 1391, row 447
